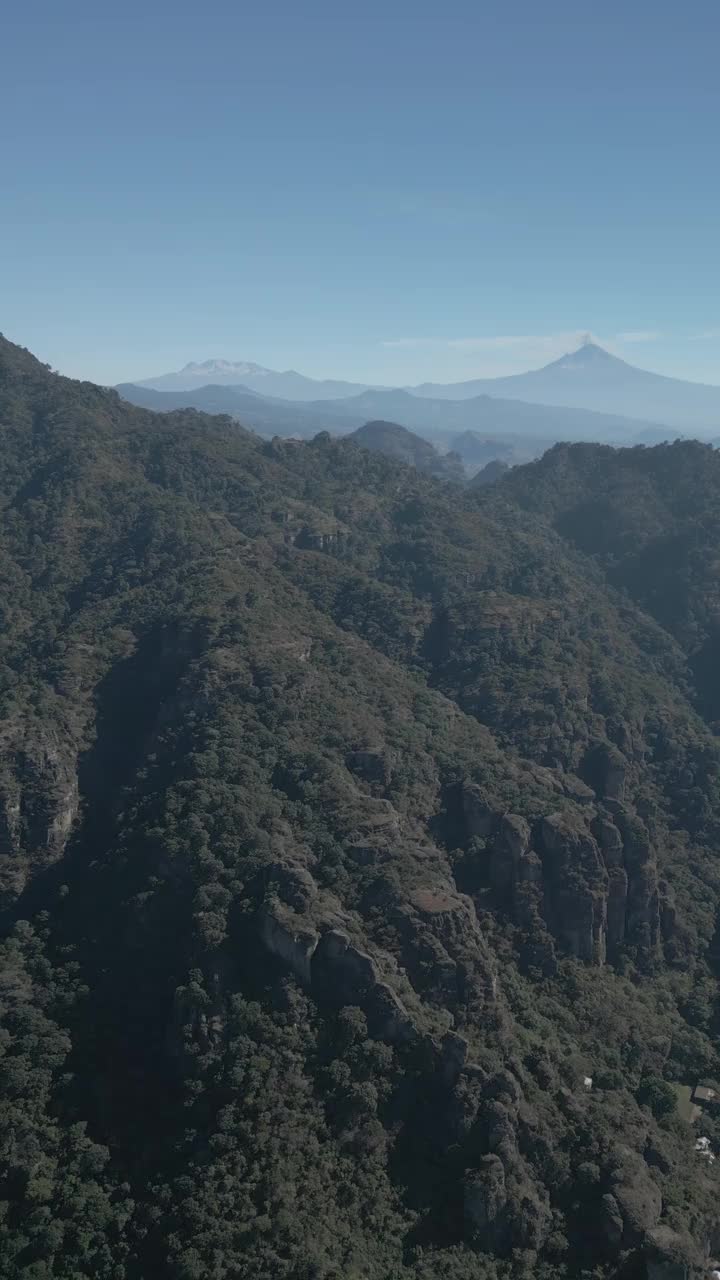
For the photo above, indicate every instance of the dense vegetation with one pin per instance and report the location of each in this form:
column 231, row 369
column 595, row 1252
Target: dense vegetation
column 397, row 442
column 651, row 519
column 349, row 821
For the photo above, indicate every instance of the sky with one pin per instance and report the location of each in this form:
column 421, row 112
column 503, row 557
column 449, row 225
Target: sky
column 389, row 192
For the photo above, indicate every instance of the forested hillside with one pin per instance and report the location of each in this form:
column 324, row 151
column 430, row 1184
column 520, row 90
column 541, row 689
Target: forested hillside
column 360, row 858
column 651, row 519
column 404, row 446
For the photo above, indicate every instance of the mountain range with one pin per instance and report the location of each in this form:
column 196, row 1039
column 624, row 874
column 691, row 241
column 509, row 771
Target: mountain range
column 359, row 874
column 535, row 426
column 488, row 415
column 513, row 429
column 288, row 385
column 266, row 415
column 590, row 379
column 360, row 887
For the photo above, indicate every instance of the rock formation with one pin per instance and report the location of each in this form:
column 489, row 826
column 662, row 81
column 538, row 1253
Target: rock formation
column 589, row 876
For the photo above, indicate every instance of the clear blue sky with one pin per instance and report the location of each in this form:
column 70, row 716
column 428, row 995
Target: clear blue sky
column 388, row 191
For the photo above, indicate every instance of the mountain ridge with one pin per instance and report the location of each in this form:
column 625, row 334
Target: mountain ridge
column 589, row 379
column 539, row 425
column 351, row 824
column 287, row 384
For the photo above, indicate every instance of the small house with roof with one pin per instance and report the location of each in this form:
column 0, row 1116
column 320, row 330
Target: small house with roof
column 706, row 1096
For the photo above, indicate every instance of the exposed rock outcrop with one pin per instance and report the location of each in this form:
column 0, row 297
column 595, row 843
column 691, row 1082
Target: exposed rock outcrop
column 643, row 900
column 668, row 1255
column 481, row 817
column 511, row 845
column 330, row 963
column 587, row 876
column 294, row 944
column 351, row 971
column 39, row 803
column 576, row 887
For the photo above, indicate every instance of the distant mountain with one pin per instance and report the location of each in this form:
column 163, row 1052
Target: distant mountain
column 251, row 377
column 477, row 450
column 589, row 379
column 528, row 428
column 488, row 415
column 592, row 378
column 394, row 441
column 265, row 416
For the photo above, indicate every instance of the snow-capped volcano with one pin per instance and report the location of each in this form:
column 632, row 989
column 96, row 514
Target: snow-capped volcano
column 215, row 370
column 287, row 385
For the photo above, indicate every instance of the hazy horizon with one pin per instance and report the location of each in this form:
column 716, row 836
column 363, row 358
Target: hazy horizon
column 489, row 358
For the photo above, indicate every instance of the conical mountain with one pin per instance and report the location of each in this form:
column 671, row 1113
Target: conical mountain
column 593, row 378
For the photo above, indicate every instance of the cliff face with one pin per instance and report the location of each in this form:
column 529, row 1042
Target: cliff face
column 39, row 802
column 589, row 876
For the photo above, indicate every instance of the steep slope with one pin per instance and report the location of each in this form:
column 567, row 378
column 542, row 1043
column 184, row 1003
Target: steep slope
column 397, row 442
column 651, row 518
column 489, row 474
column 328, row 793
column 593, row 379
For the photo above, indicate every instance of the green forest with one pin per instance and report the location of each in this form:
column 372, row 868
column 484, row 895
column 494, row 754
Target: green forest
column 359, row 854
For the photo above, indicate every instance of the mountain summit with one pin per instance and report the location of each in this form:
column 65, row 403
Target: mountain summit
column 589, row 378
column 223, row 368
column 587, row 354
